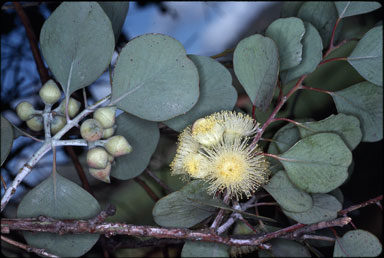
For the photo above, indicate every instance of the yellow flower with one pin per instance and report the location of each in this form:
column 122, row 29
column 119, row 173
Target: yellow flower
column 235, row 168
column 196, row 165
column 208, row 131
column 237, row 125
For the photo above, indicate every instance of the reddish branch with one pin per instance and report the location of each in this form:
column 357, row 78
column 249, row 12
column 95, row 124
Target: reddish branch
column 147, row 189
column 358, row 206
column 27, row 248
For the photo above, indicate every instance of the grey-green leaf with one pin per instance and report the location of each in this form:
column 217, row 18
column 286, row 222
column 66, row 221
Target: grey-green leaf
column 143, row 136
column 312, row 54
column 290, row 8
column 117, row 12
column 285, row 248
column 357, row 243
column 256, row 65
column 59, row 198
column 204, row 249
column 77, row 42
column 318, row 163
column 365, row 101
column 287, row 34
column 349, row 8
column 6, row 138
column 325, row 207
column 287, row 195
column 177, row 210
column 154, row 79
column 346, row 126
column 367, row 57
column 322, row 15
column 216, row 92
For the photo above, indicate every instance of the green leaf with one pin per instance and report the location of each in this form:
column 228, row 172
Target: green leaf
column 287, row 34
column 287, row 195
column 216, row 92
column 285, row 248
column 357, row 243
column 6, row 138
column 154, row 79
column 338, row 194
column 256, row 65
column 346, row 126
column 143, row 136
column 290, row 8
column 325, row 207
column 322, row 15
column 318, row 163
column 312, row 54
column 367, row 57
column 117, row 12
column 59, row 198
column 177, row 210
column 348, row 8
column 77, row 43
column 365, row 101
column 204, row 249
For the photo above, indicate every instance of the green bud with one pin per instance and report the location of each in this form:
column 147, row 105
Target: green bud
column 108, row 132
column 110, row 158
column 102, row 174
column 50, row 93
column 97, row 158
column 35, row 123
column 73, row 107
column 118, row 146
column 57, row 123
column 106, row 116
column 25, row 110
column 91, row 130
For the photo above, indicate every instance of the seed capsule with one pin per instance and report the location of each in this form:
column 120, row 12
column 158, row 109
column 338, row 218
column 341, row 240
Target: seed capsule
column 106, row 116
column 73, row 107
column 102, row 174
column 25, row 110
column 35, row 123
column 57, row 124
column 97, row 158
column 50, row 93
column 118, row 146
column 91, row 130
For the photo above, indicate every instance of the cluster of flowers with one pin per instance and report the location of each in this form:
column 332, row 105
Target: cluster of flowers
column 217, row 150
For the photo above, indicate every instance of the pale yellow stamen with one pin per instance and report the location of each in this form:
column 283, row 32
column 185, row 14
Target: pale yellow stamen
column 207, row 131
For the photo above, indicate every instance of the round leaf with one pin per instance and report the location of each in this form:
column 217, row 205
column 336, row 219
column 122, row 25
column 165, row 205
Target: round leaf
column 288, row 195
column 348, row 8
column 318, row 163
column 287, row 34
column 365, row 101
column 204, row 249
column 6, row 138
column 367, row 57
column 178, row 208
column 117, row 12
column 153, row 78
column 216, row 92
column 59, row 198
column 290, row 8
column 322, row 15
column 77, row 43
column 358, row 243
column 312, row 54
column 325, row 207
column 347, row 127
column 285, row 248
column 143, row 136
column 256, row 65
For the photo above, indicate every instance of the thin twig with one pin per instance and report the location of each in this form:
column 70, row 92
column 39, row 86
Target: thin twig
column 358, row 206
column 4, row 184
column 147, row 189
column 159, row 181
column 220, row 215
column 27, row 248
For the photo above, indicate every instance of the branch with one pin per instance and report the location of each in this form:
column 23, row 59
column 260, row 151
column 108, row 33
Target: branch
column 358, row 206
column 159, row 181
column 147, row 189
column 27, row 248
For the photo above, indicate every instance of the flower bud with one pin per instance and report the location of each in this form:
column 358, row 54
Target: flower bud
column 108, row 132
column 110, row 158
column 57, row 123
column 106, row 116
column 50, row 93
column 118, row 146
column 91, row 130
column 102, row 174
column 73, row 107
column 35, row 123
column 207, row 131
column 25, row 110
column 97, row 158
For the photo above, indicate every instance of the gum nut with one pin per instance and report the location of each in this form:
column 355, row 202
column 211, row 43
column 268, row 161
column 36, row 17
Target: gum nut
column 91, row 130
column 57, row 124
column 108, row 132
column 73, row 107
column 25, row 110
column 50, row 93
column 97, row 158
column 106, row 116
column 101, row 174
column 118, row 146
column 35, row 123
